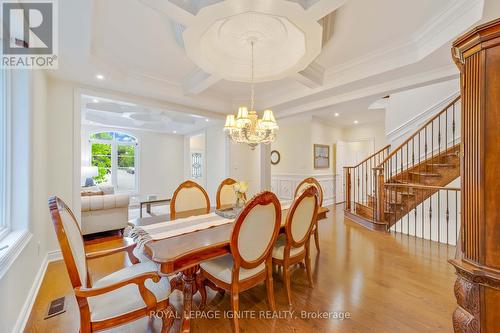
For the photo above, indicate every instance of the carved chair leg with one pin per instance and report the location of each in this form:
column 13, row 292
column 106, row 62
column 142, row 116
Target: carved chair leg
column 201, row 286
column 131, row 256
column 286, row 280
column 308, row 267
column 269, row 286
column 316, row 237
column 235, row 309
column 214, row 287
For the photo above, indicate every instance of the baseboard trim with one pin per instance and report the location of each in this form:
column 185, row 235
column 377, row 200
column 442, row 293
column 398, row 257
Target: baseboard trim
column 364, row 222
column 25, row 313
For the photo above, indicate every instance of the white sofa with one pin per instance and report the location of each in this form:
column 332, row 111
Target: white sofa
column 104, row 212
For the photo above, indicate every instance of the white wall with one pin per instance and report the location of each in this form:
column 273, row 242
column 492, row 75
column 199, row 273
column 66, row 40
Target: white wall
column 294, row 145
column 161, row 156
column 375, row 131
column 295, row 141
column 30, row 120
column 244, row 165
column 409, row 109
column 217, row 156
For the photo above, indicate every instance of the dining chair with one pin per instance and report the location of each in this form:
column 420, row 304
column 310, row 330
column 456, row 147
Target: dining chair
column 301, row 187
column 225, row 193
column 249, row 263
column 124, row 299
column 189, row 199
column 293, row 247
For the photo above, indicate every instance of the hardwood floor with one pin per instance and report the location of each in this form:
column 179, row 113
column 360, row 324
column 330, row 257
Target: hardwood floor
column 387, row 283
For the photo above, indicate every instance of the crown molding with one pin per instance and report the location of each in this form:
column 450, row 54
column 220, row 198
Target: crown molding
column 408, row 82
column 452, row 21
column 312, row 76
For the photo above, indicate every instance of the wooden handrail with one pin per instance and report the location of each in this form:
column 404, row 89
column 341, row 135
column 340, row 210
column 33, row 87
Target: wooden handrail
column 369, row 157
column 394, row 152
column 425, row 187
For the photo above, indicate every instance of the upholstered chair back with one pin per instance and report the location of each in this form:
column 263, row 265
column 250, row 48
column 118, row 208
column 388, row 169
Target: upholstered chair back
column 255, row 230
column 307, row 183
column 301, row 217
column 189, row 196
column 70, row 240
column 225, row 193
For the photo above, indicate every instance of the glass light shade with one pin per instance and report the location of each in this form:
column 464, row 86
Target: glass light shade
column 268, row 116
column 242, row 113
column 230, row 122
column 268, row 121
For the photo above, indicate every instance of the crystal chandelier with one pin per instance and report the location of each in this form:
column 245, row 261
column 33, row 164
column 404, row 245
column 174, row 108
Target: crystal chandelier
column 246, row 127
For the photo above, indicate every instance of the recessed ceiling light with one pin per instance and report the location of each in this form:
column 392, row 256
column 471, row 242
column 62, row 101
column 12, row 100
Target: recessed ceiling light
column 356, row 121
column 99, row 77
column 175, row 132
column 336, row 114
column 207, row 120
column 95, row 100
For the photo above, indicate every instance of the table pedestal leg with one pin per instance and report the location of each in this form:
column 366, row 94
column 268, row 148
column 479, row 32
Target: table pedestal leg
column 188, row 289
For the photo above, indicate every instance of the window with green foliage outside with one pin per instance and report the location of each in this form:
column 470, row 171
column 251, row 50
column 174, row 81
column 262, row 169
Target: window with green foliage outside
column 114, row 154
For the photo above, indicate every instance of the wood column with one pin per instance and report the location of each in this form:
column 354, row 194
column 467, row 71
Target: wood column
column 477, row 288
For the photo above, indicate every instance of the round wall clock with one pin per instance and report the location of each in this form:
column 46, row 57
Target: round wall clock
column 275, row 157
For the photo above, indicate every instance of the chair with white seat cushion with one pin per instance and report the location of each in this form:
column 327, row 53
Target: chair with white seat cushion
column 189, row 199
column 120, row 300
column 293, row 247
column 255, row 231
column 300, row 188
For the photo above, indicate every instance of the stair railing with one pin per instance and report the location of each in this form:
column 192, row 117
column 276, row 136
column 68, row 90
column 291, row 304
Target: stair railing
column 359, row 184
column 434, row 214
column 405, row 165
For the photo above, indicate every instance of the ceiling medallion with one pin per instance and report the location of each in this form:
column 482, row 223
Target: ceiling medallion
column 247, row 127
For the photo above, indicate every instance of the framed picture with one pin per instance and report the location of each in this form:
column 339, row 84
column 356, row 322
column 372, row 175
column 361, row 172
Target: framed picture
column 321, row 156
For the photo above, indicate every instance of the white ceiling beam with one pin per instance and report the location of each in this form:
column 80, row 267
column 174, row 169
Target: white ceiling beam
column 321, row 8
column 312, row 76
column 176, row 13
column 198, row 81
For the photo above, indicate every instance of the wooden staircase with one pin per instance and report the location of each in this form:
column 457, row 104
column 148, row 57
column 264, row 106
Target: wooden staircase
column 421, row 167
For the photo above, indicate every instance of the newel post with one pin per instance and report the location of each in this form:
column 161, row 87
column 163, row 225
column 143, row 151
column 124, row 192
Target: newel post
column 379, row 193
column 477, row 288
column 347, row 199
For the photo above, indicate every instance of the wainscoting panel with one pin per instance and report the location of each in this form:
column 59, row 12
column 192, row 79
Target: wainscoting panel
column 284, row 186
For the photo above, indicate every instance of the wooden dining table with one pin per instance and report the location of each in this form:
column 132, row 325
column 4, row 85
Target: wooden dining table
column 184, row 253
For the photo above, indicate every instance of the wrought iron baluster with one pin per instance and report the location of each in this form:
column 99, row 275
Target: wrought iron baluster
column 447, row 217
column 439, row 215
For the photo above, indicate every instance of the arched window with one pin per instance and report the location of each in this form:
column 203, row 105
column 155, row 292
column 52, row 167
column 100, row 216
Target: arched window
column 115, row 156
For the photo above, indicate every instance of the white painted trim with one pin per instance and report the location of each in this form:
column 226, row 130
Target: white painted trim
column 438, row 31
column 7, row 150
column 25, row 312
column 400, row 84
column 415, row 122
column 284, row 185
column 17, row 241
column 77, row 154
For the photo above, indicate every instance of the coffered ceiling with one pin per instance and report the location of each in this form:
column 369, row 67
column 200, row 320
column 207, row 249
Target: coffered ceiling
column 310, row 55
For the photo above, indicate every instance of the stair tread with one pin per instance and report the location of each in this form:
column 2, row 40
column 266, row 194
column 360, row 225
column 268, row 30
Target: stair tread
column 425, row 174
column 442, row 164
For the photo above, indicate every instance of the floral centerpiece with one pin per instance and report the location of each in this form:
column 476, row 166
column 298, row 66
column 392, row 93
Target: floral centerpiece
column 240, row 190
